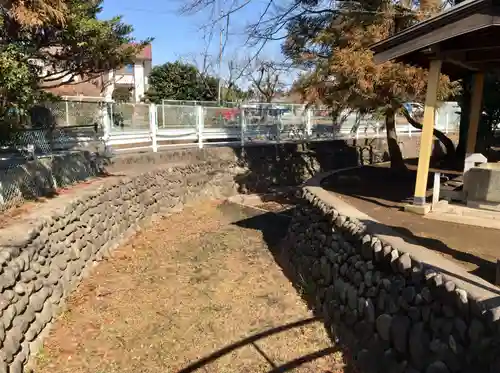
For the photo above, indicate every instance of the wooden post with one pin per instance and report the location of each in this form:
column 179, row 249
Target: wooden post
column 427, row 133
column 497, row 277
column 475, row 111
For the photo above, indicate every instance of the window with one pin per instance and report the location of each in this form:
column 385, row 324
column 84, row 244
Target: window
column 129, row 69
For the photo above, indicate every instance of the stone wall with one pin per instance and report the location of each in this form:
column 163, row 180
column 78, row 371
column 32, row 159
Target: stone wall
column 396, row 306
column 45, row 255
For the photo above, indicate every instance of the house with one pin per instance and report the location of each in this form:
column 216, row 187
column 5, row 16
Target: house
column 133, row 77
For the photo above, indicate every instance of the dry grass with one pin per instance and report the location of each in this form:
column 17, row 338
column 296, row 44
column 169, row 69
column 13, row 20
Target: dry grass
column 187, row 287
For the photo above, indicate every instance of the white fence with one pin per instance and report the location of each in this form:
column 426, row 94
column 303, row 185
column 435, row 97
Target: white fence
column 162, row 126
column 125, row 126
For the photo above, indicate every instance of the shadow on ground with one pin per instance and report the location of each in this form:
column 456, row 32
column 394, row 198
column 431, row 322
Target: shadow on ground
column 250, row 341
column 273, row 226
column 42, row 178
column 485, row 268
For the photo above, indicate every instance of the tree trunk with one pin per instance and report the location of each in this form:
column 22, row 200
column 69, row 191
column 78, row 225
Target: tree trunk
column 396, row 157
column 448, row 144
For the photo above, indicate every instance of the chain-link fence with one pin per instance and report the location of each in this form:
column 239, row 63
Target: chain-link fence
column 199, row 103
column 77, row 124
column 21, row 181
column 176, row 116
column 52, row 128
column 221, row 117
column 48, row 140
column 129, row 116
column 38, row 159
column 76, row 113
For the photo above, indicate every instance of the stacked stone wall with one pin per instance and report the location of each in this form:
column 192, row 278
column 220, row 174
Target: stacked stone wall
column 46, row 255
column 399, row 307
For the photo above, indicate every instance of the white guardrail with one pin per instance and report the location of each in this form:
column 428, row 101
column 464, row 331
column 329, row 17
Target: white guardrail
column 199, row 129
column 149, row 127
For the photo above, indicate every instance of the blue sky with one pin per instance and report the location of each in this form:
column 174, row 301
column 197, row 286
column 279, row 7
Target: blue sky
column 179, row 36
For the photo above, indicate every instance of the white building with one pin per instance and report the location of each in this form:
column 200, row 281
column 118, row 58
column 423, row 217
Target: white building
column 133, row 77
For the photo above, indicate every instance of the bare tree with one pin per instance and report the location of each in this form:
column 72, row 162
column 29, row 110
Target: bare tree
column 266, row 78
column 205, row 65
column 270, row 21
column 230, row 82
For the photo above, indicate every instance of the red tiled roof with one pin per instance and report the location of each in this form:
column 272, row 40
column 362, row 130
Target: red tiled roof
column 89, row 88
column 146, row 53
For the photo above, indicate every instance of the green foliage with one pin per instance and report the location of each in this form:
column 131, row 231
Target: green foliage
column 235, row 94
column 180, row 81
column 18, row 83
column 18, row 90
column 87, row 45
column 122, row 94
column 37, row 56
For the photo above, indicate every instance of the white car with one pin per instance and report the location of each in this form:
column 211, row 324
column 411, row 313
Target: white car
column 415, row 109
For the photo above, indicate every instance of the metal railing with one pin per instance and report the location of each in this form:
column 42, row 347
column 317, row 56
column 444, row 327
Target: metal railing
column 106, row 127
column 195, row 125
column 129, row 126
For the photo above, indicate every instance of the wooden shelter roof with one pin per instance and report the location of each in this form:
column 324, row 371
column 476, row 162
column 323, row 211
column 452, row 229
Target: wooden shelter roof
column 466, row 38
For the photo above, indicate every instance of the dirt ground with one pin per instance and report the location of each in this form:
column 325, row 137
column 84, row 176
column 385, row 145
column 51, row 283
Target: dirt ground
column 380, row 194
column 191, row 293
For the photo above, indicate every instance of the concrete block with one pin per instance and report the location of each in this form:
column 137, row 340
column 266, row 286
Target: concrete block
column 482, row 183
column 419, row 210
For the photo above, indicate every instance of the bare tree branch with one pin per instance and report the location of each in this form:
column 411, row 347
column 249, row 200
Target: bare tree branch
column 267, row 78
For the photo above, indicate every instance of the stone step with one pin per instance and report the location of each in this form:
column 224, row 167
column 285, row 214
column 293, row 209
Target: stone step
column 467, row 220
column 465, row 215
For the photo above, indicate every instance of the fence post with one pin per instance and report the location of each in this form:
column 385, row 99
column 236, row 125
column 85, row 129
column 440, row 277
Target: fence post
column 153, row 126
column 242, row 127
column 447, row 118
column 162, row 114
column 309, row 122
column 106, row 114
column 67, row 112
column 200, row 125
column 2, row 200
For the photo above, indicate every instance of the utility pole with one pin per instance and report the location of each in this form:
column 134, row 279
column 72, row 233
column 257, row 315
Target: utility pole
column 219, row 88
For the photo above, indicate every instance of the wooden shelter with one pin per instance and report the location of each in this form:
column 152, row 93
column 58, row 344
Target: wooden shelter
column 460, row 41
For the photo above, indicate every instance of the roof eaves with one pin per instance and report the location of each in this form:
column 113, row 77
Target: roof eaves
column 458, row 11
